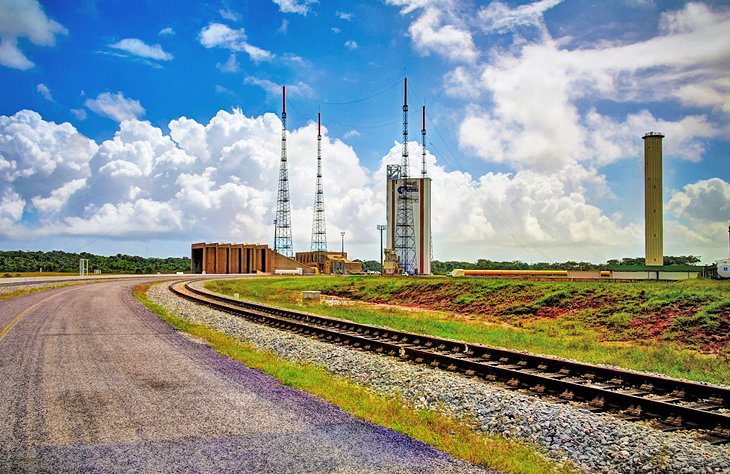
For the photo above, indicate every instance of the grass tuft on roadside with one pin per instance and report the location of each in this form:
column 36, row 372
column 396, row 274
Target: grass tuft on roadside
column 28, row 291
column 456, row 437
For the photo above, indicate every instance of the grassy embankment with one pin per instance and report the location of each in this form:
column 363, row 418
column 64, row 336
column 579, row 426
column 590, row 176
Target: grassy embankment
column 456, row 437
column 28, row 291
column 36, row 274
column 681, row 329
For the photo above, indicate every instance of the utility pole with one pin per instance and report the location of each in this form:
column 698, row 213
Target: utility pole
column 381, row 228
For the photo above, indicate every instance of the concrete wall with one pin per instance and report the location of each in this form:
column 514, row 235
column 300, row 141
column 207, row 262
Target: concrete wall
column 678, row 275
column 634, row 275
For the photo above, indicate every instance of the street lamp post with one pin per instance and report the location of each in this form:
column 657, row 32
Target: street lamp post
column 342, row 251
column 275, row 222
column 381, row 228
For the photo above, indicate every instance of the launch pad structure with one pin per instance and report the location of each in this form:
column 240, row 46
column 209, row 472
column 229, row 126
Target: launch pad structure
column 408, row 217
column 408, row 206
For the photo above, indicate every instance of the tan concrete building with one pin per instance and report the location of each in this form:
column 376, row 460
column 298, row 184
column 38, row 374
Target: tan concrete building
column 653, row 201
column 329, row 262
column 214, row 258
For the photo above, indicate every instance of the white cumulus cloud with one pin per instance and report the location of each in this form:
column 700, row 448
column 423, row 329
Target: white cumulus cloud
column 45, row 92
column 218, row 35
column 41, row 163
column 231, row 64
column 137, row 47
column 79, row 114
column 499, row 17
column 698, row 216
column 218, row 181
column 58, row 197
column 537, row 107
column 431, row 33
column 115, row 106
column 24, row 19
column 299, row 88
column 706, row 200
column 294, row 6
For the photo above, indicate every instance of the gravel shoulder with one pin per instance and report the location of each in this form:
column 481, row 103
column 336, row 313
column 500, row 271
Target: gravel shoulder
column 594, row 443
column 91, row 381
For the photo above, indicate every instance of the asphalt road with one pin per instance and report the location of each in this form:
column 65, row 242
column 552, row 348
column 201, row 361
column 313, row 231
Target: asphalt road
column 91, row 381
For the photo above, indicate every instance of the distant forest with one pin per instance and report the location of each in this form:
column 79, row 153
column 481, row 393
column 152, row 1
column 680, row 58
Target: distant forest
column 58, row 261
column 441, row 268
column 438, row 267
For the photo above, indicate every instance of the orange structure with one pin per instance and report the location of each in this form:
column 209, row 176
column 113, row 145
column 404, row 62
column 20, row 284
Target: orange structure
column 329, row 262
column 214, row 258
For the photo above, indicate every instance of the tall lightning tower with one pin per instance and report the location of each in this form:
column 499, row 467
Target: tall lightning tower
column 282, row 231
column 424, row 175
column 319, row 229
column 653, row 218
column 423, row 145
column 405, row 236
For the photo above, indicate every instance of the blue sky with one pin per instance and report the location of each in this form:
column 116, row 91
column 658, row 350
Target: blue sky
column 140, row 127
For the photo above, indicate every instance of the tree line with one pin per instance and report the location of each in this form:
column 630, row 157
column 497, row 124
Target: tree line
column 441, row 268
column 59, row 261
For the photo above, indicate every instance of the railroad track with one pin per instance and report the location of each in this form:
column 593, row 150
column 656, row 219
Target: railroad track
column 672, row 404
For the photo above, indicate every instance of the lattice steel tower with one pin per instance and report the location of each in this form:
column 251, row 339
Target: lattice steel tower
column 405, row 235
column 282, row 224
column 319, row 229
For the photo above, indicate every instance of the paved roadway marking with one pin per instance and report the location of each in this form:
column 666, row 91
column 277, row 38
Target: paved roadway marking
column 26, row 311
column 94, row 382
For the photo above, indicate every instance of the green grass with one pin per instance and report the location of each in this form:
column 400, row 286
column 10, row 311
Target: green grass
column 456, row 437
column 594, row 322
column 28, row 291
column 36, row 274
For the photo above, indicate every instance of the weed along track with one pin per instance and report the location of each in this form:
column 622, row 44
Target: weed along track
column 672, row 404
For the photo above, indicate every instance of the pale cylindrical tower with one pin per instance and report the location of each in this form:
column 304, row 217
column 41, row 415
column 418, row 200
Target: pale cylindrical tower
column 653, row 217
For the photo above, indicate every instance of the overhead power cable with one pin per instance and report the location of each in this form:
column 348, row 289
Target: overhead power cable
column 400, row 81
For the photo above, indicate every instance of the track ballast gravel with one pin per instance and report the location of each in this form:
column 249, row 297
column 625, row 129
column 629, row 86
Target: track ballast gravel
column 593, row 442
column 91, row 381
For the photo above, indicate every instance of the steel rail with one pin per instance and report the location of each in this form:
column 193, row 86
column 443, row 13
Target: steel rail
column 602, row 388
